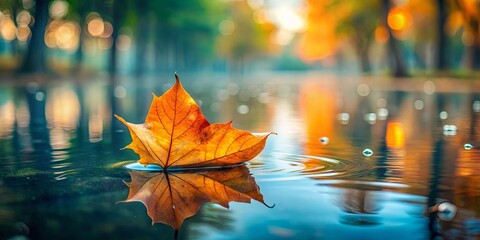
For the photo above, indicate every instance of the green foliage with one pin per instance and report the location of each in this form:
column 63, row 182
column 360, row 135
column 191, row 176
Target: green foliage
column 249, row 38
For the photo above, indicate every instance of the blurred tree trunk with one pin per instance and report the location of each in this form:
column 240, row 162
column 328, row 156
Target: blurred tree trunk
column 116, row 22
column 362, row 45
column 82, row 12
column 141, row 38
column 442, row 46
column 14, row 6
column 160, row 50
column 476, row 55
column 472, row 26
column 365, row 61
column 397, row 63
column 34, row 61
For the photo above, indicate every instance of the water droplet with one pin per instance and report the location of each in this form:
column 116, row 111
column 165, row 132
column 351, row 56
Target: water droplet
column 233, row 88
column 39, row 96
column 446, row 211
column 363, row 90
column 443, row 115
column 324, row 140
column 243, row 109
column 370, row 118
column 173, row 206
column 382, row 113
column 468, row 146
column 367, row 152
column 382, row 103
column 215, row 107
column 222, row 95
column 429, row 87
column 120, row 92
column 264, row 97
column 476, row 106
column 343, row 118
column 419, row 105
column 449, row 130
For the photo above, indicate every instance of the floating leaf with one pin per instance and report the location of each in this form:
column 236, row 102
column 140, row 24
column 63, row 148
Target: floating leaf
column 171, row 198
column 175, row 133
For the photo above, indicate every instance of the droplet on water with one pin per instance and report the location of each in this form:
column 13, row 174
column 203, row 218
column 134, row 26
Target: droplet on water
column 367, row 152
column 370, row 118
column 343, row 118
column 39, row 96
column 382, row 114
column 243, row 109
column 429, row 87
column 419, row 105
column 382, row 103
column 443, row 115
column 363, row 90
column 120, row 92
column 233, row 89
column 476, row 106
column 467, row 146
column 324, row 140
column 264, row 97
column 222, row 95
column 446, row 211
column 449, row 130
column 215, row 107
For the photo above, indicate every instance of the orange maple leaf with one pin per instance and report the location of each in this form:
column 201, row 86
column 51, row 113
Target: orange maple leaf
column 175, row 133
column 170, row 198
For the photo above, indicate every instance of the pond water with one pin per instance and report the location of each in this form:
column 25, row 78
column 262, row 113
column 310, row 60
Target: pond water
column 354, row 158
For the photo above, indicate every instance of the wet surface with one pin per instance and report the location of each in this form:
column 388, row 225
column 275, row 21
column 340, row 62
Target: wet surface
column 353, row 159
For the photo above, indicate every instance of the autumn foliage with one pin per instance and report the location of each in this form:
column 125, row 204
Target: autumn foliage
column 170, row 198
column 176, row 134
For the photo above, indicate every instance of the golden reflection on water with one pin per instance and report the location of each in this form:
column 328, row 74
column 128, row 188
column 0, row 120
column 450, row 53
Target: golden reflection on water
column 7, row 118
column 409, row 144
column 62, row 108
column 317, row 107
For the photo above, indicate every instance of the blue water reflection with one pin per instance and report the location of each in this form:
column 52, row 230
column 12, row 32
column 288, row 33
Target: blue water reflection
column 61, row 167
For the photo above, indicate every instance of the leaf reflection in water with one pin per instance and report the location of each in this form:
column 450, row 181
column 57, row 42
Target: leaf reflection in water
column 170, row 198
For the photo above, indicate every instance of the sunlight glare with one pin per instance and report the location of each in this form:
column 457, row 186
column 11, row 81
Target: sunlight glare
column 288, row 19
column 96, row 27
column 7, row 28
column 397, row 19
column 58, row 9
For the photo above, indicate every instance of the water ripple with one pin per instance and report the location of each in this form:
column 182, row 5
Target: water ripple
column 286, row 166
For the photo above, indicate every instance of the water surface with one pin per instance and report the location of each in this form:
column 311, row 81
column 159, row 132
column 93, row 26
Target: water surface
column 62, row 171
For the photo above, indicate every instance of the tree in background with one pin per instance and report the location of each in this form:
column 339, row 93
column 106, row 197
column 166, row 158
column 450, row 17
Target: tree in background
column 332, row 23
column 358, row 24
column 243, row 37
column 319, row 40
column 35, row 58
column 442, row 51
column 418, row 17
column 176, row 35
column 396, row 59
column 470, row 12
column 190, row 35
